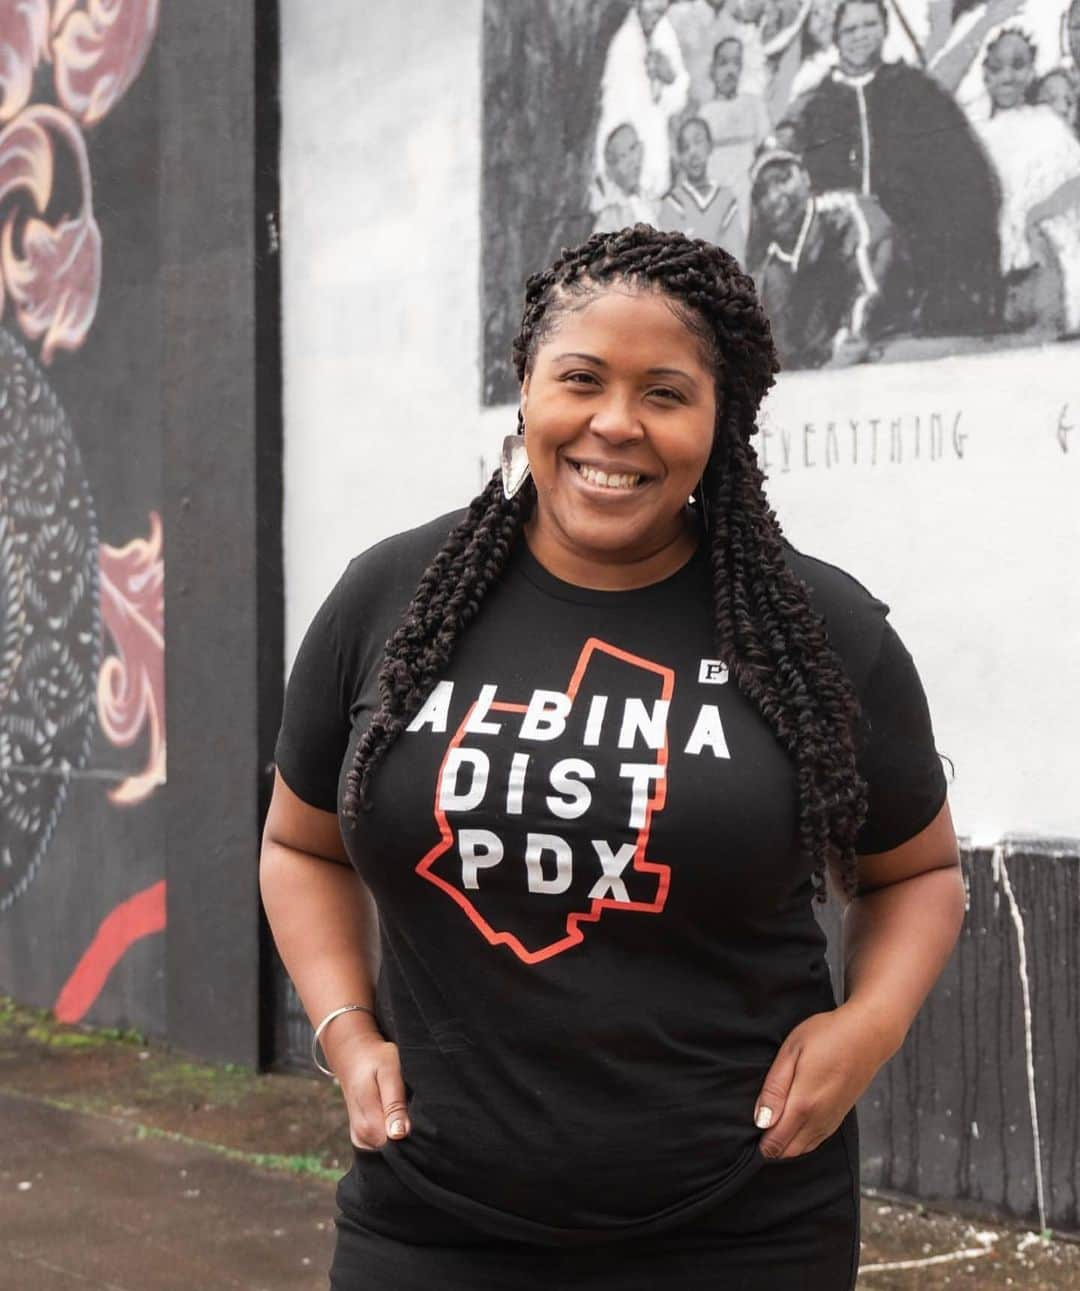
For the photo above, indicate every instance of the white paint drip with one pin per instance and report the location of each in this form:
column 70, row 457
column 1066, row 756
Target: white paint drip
column 953, row 1256
column 1001, row 876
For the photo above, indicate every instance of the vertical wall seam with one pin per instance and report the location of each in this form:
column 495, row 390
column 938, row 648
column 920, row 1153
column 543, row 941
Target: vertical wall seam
column 1001, row 876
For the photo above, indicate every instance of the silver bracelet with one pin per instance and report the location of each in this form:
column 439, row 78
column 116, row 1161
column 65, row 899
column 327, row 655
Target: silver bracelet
column 334, row 1013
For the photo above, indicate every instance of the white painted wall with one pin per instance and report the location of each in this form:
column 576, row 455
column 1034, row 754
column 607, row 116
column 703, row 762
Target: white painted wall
column 380, row 243
column 976, row 554
column 976, row 548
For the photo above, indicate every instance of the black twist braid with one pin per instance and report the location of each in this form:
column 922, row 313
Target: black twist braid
column 780, row 656
column 774, row 643
column 445, row 602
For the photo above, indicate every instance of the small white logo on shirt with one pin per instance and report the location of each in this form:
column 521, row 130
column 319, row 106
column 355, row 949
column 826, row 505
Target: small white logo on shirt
column 712, row 672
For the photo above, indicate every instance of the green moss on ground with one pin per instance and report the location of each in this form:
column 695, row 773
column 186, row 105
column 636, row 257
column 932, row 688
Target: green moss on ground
column 280, row 1122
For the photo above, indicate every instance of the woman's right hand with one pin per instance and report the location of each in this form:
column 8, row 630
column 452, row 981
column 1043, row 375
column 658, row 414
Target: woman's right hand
column 368, row 1069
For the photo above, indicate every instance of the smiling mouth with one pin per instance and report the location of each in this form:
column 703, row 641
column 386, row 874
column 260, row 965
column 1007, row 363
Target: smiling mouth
column 624, row 480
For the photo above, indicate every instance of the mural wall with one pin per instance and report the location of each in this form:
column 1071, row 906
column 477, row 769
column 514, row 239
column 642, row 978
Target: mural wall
column 901, row 177
column 82, row 740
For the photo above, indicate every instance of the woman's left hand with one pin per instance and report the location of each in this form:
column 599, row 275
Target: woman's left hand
column 818, row 1073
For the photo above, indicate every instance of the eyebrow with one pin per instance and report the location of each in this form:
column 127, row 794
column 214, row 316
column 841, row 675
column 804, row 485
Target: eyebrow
column 600, row 363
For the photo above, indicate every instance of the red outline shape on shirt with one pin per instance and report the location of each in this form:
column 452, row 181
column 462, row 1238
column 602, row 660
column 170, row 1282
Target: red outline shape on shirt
column 574, row 935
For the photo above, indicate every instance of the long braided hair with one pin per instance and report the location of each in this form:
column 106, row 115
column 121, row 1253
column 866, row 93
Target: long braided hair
column 774, row 644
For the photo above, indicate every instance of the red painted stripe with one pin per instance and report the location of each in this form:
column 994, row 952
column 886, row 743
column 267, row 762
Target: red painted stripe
column 574, row 935
column 137, row 917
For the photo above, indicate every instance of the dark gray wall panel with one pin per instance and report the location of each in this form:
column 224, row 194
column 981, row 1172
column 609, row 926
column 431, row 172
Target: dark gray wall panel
column 211, row 446
column 953, row 1116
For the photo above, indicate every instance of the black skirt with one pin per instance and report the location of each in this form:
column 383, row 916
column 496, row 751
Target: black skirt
column 794, row 1224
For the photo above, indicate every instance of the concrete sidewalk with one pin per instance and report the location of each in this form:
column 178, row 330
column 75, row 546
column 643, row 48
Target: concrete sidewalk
column 93, row 1202
column 86, row 1202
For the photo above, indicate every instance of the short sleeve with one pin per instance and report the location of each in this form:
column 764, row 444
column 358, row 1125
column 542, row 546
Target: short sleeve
column 898, row 760
column 314, row 731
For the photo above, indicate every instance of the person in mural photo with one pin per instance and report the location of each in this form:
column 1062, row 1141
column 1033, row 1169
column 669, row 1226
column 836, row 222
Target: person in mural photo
column 615, row 197
column 865, row 129
column 828, row 268
column 557, row 780
column 784, row 26
column 1037, row 158
column 738, row 122
column 696, row 205
column 958, row 36
column 644, row 83
column 700, row 26
column 1058, row 91
column 816, row 48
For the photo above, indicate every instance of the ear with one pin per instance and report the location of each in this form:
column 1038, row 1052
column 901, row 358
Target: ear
column 524, row 400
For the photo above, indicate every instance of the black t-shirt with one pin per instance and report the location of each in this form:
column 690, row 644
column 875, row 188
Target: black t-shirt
column 596, row 926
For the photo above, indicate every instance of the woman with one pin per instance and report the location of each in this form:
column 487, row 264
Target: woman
column 1037, row 158
column 591, row 783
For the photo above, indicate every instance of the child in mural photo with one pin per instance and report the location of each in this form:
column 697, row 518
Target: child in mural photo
column 784, row 25
column 696, row 205
column 700, row 26
column 1037, row 158
column 828, row 268
column 738, row 122
column 558, row 778
column 645, row 84
column 1057, row 90
column 615, row 197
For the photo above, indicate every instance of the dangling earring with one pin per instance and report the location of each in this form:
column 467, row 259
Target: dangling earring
column 514, row 461
column 701, row 496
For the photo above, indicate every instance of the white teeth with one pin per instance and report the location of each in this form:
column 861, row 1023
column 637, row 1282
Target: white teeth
column 606, row 481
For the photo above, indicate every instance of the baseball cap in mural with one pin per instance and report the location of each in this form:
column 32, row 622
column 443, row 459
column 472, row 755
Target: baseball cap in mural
column 769, row 154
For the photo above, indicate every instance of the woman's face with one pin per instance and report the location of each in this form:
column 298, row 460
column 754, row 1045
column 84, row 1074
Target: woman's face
column 860, row 35
column 619, row 410
column 1008, row 71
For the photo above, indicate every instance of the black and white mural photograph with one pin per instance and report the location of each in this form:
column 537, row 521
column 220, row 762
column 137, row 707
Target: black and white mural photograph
column 900, row 177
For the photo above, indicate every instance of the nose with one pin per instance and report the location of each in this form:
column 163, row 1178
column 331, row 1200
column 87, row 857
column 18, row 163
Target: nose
column 616, row 419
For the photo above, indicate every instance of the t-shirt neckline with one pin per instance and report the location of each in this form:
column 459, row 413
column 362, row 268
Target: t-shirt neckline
column 551, row 585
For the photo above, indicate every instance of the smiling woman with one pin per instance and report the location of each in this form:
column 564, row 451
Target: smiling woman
column 590, row 784
column 620, row 405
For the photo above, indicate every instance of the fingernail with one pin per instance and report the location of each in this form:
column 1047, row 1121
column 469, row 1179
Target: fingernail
column 397, row 1129
column 763, row 1119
